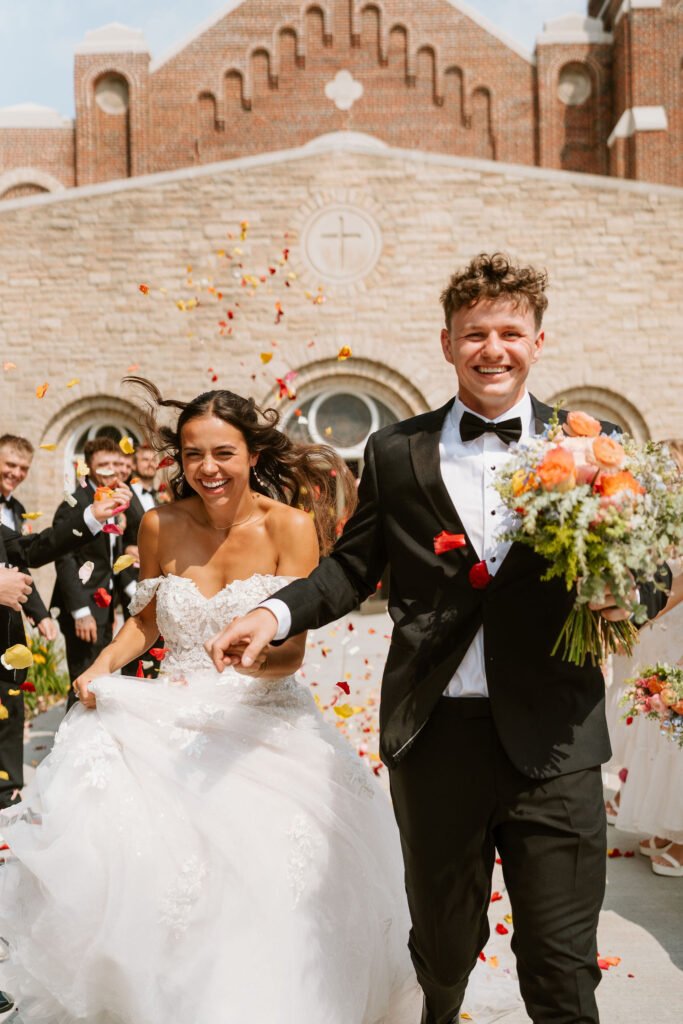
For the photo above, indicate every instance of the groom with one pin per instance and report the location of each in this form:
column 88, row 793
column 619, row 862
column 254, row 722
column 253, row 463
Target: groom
column 491, row 742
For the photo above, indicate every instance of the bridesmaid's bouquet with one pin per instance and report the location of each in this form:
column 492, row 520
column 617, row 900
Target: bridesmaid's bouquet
column 603, row 511
column 657, row 693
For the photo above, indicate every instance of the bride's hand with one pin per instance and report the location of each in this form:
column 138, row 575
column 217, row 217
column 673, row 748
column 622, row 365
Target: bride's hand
column 257, row 629
column 259, row 663
column 80, row 687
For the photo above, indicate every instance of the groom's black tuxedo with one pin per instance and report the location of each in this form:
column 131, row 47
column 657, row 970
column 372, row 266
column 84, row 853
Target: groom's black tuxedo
column 551, row 721
column 518, row 772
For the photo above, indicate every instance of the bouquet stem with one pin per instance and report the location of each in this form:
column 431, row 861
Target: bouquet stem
column 587, row 634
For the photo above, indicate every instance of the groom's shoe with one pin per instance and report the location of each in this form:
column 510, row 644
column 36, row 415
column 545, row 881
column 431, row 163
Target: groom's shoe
column 6, row 1002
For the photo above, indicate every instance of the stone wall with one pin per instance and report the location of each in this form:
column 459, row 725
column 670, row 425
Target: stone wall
column 71, row 266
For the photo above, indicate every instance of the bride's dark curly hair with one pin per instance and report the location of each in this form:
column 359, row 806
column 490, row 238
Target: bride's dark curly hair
column 308, row 476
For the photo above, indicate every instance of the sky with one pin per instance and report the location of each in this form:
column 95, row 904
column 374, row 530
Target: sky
column 37, row 37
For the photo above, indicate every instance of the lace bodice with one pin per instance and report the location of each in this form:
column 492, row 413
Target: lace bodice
column 186, row 618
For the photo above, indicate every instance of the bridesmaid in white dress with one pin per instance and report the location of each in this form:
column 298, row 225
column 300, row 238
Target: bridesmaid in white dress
column 203, row 847
column 651, row 800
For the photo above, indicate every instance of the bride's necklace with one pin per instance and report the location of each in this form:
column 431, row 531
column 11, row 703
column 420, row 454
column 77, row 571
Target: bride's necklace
column 240, row 522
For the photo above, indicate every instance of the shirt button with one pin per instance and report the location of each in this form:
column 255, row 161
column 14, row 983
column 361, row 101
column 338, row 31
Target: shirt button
column 493, row 558
column 493, row 511
column 493, row 467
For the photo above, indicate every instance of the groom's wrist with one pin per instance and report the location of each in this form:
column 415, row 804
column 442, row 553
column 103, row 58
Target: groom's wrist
column 282, row 614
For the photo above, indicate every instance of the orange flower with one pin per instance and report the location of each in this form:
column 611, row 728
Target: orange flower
column 668, row 695
column 557, row 472
column 580, row 424
column 608, row 452
column 655, row 684
column 678, row 707
column 612, row 483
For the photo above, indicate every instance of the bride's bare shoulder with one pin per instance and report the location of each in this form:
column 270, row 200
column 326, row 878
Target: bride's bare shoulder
column 285, row 520
column 167, row 518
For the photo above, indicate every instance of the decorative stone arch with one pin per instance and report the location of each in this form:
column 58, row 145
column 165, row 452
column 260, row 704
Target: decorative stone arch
column 29, row 176
column 321, row 7
column 236, row 74
column 426, row 49
column 98, row 71
column 259, row 50
column 483, row 93
column 376, row 379
column 287, row 29
column 605, row 405
column 404, row 31
column 358, row 12
column 457, row 74
column 67, row 425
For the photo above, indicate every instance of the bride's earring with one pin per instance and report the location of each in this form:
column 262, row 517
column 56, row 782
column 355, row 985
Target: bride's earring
column 257, row 478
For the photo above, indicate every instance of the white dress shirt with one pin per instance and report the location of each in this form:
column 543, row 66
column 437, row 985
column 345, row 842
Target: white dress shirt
column 467, row 469
column 146, row 497
column 7, row 516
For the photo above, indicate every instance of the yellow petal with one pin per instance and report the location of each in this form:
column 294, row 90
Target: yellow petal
column 508, row 918
column 18, row 656
column 122, row 562
column 14, row 693
column 81, row 468
column 126, row 445
column 344, row 711
column 4, row 776
column 493, row 961
column 4, row 713
column 48, row 447
column 31, row 515
column 266, row 357
column 72, row 382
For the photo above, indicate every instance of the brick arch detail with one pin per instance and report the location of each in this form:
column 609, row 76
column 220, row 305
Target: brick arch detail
column 597, row 74
column 29, row 176
column 607, row 405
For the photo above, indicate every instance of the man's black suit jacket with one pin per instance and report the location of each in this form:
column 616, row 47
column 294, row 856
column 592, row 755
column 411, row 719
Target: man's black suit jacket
column 70, row 593
column 34, row 608
column 548, row 713
column 34, row 550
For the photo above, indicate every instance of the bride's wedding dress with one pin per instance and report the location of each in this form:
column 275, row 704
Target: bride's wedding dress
column 203, row 848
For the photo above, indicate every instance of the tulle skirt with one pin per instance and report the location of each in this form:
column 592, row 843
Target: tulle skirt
column 652, row 798
column 188, row 855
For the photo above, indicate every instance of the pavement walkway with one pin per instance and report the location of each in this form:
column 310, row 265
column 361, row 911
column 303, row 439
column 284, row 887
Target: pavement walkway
column 642, row 917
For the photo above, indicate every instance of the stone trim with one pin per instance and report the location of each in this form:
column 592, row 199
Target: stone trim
column 639, row 119
column 29, row 176
column 635, row 5
column 574, row 28
column 112, row 38
column 33, row 115
column 351, row 146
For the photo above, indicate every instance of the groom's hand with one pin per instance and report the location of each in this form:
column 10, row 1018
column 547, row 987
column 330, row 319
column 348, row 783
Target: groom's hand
column 256, row 630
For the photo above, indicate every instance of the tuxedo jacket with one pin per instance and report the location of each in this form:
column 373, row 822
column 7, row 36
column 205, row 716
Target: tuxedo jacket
column 549, row 714
column 34, row 550
column 34, row 608
column 70, row 593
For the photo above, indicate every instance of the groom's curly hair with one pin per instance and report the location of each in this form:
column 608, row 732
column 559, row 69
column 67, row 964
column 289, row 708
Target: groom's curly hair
column 493, row 277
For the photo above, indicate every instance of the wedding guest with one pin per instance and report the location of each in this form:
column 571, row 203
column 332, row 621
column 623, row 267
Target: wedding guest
column 144, row 497
column 74, row 530
column 651, row 766
column 85, row 600
column 16, row 455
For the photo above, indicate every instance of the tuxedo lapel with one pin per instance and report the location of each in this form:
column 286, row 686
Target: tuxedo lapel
column 426, row 460
column 543, row 414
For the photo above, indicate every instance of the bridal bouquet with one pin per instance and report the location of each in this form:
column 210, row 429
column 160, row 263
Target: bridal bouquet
column 603, row 511
column 657, row 693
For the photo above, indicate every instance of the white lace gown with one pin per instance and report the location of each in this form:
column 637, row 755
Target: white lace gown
column 204, row 849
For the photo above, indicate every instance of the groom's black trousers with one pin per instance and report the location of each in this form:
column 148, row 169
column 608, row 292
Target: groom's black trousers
column 458, row 798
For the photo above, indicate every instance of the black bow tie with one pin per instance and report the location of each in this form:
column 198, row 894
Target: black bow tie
column 5, row 500
column 472, row 427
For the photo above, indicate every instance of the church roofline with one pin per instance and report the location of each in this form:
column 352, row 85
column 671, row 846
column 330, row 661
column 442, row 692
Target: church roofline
column 341, row 143
column 232, row 5
column 196, row 32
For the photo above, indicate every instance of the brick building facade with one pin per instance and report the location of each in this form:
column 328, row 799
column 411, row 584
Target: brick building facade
column 602, row 94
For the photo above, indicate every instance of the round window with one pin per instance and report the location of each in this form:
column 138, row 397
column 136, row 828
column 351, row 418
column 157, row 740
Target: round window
column 111, row 94
column 574, row 85
column 342, row 419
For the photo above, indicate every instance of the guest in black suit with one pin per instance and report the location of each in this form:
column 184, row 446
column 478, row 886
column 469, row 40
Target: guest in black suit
column 491, row 742
column 16, row 455
column 74, row 531
column 86, row 608
column 143, row 498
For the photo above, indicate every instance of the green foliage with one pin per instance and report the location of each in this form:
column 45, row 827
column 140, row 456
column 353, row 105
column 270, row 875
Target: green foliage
column 46, row 673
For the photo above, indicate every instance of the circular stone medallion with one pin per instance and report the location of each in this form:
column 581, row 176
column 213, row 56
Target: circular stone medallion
column 341, row 243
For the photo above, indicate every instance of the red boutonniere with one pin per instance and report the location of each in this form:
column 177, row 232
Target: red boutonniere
column 479, row 576
column 446, row 541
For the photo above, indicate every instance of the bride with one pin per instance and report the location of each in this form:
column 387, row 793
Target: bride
column 203, row 847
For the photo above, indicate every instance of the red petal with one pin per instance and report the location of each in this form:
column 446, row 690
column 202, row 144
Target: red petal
column 446, row 541
column 501, row 929
column 101, row 598
column 495, row 896
column 479, row 576
column 139, row 673
column 345, row 687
